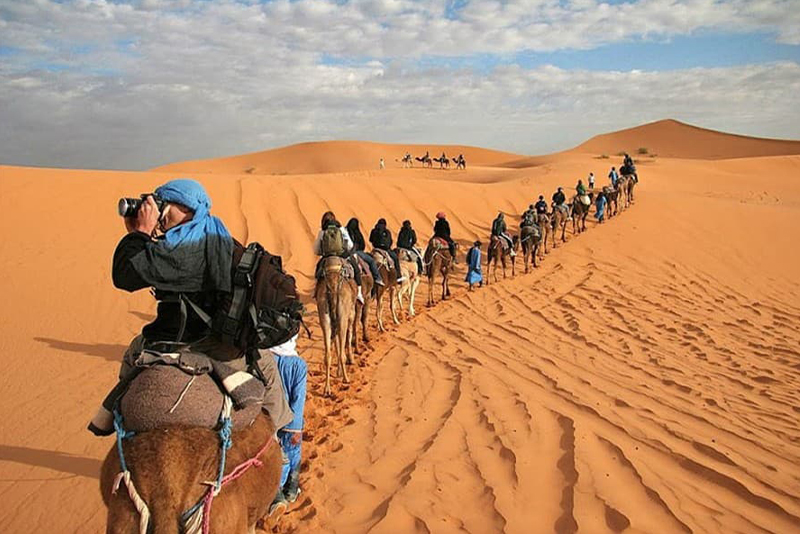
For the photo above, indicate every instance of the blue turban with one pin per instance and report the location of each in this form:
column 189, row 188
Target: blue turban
column 193, row 256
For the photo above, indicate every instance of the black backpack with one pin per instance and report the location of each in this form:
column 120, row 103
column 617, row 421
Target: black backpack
column 263, row 309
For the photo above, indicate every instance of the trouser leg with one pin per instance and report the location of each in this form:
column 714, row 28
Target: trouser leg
column 356, row 269
column 396, row 261
column 373, row 267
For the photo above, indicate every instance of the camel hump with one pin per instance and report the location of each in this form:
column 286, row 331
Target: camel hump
column 163, row 396
column 169, row 469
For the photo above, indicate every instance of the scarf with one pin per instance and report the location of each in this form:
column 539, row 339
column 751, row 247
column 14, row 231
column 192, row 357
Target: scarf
column 193, row 256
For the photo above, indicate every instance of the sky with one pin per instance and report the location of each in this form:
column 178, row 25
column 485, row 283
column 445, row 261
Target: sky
column 132, row 85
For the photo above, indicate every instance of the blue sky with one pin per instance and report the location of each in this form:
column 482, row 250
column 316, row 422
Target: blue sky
column 137, row 84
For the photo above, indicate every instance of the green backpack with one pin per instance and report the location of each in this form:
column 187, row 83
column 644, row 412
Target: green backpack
column 332, row 241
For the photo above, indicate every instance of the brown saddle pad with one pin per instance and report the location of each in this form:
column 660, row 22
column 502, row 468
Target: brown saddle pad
column 163, row 395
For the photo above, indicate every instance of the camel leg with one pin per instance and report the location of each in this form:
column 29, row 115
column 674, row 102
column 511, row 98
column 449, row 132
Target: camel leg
column 414, row 286
column 364, row 318
column 325, row 324
column 393, row 304
column 354, row 329
column 348, row 340
column 431, row 282
column 379, row 310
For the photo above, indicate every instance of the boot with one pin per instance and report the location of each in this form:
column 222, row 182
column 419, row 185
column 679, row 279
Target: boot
column 278, row 505
column 293, row 486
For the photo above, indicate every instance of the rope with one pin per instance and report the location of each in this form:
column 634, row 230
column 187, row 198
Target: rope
column 125, row 475
column 183, row 393
column 138, row 502
column 195, row 523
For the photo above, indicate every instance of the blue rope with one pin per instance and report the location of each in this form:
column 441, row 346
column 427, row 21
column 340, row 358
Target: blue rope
column 224, row 445
column 122, row 434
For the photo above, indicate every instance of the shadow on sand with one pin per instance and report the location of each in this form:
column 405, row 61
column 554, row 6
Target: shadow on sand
column 59, row 461
column 107, row 351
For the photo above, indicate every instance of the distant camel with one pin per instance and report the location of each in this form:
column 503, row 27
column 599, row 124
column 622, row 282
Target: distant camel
column 425, row 160
column 622, row 188
column 579, row 213
column 362, row 310
column 389, row 276
column 409, row 268
column 497, row 251
column 408, row 161
column 336, row 295
column 543, row 221
column 558, row 219
column 444, row 163
column 171, row 467
column 460, row 162
column 531, row 240
column 612, row 194
column 438, row 259
column 629, row 191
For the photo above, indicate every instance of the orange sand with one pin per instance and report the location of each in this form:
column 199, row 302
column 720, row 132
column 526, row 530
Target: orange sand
column 644, row 378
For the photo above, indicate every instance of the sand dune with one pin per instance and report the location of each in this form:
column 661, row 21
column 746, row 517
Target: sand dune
column 332, row 156
column 674, row 139
column 643, row 379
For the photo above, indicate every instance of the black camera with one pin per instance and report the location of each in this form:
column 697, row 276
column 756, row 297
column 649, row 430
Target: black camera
column 128, row 207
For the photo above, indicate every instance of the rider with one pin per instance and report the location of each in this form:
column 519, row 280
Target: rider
column 441, row 229
column 529, row 217
column 499, row 229
column 333, row 247
column 581, row 190
column 614, row 177
column 354, row 229
column 559, row 198
column 381, row 238
column 407, row 239
column 541, row 206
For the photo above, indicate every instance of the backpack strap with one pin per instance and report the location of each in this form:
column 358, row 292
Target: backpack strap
column 242, row 286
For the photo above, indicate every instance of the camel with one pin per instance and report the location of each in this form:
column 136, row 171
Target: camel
column 407, row 161
column 558, row 219
column 425, row 160
column 629, row 191
column 438, row 259
column 170, row 468
column 362, row 310
column 336, row 295
column 622, row 187
column 460, row 162
column 612, row 195
column 409, row 268
column 496, row 252
column 544, row 224
column 531, row 238
column 444, row 163
column 579, row 212
column 386, row 267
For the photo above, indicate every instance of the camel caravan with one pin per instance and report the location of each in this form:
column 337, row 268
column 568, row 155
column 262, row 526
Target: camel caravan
column 426, row 161
column 208, row 409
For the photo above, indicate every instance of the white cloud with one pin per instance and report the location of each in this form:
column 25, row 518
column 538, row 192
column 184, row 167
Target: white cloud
column 102, row 84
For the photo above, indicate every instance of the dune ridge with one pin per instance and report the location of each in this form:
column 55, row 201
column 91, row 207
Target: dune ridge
column 643, row 379
column 674, row 139
column 332, row 157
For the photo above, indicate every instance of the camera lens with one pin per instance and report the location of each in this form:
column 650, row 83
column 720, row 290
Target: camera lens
column 127, row 207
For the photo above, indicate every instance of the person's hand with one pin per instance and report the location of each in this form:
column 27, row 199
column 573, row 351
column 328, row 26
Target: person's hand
column 296, row 438
column 146, row 218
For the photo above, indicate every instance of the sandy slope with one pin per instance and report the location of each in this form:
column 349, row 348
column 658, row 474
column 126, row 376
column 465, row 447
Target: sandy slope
column 333, row 156
column 644, row 377
column 673, row 139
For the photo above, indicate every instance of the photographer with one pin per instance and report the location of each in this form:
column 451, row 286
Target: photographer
column 189, row 260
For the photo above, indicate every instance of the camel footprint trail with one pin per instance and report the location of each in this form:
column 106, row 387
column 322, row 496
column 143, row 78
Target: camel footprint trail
column 601, row 393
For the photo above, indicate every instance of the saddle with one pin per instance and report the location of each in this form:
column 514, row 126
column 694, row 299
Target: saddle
column 585, row 200
column 529, row 231
column 438, row 243
column 384, row 259
column 364, row 268
column 495, row 239
column 334, row 264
